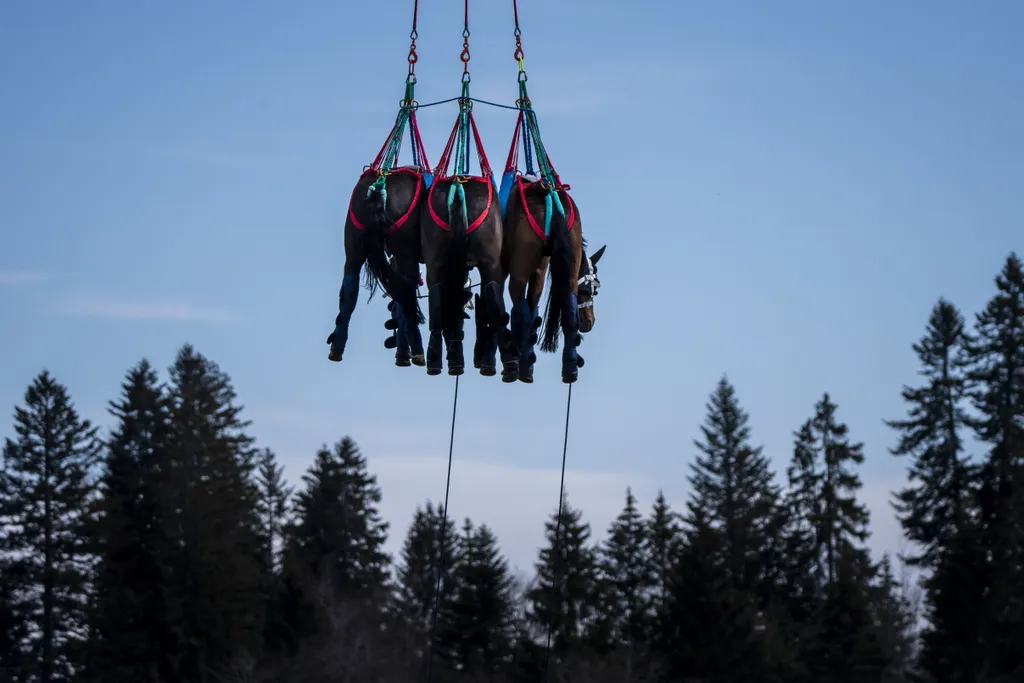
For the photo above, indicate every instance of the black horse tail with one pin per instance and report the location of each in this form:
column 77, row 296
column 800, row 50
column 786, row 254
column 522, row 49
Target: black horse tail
column 378, row 270
column 454, row 280
column 562, row 260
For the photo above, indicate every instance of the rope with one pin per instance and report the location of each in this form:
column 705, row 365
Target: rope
column 456, row 99
column 557, row 602
column 444, row 524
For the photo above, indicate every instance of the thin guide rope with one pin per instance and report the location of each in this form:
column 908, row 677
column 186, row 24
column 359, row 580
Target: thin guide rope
column 444, row 524
column 557, row 602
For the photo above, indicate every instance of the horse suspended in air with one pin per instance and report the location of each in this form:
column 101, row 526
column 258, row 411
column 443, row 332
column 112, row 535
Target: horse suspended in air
column 544, row 234
column 461, row 229
column 384, row 218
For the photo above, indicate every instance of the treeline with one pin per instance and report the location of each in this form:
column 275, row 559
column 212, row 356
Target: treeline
column 172, row 550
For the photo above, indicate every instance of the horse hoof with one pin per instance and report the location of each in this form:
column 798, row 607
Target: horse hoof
column 456, row 371
column 335, row 357
column 488, row 370
column 570, row 378
column 526, row 376
column 509, row 377
column 433, row 371
column 419, row 360
column 402, row 362
column 476, row 365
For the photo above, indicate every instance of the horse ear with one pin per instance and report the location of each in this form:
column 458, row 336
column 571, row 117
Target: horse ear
column 597, row 255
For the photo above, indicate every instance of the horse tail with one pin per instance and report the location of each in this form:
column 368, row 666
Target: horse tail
column 378, row 269
column 455, row 259
column 562, row 260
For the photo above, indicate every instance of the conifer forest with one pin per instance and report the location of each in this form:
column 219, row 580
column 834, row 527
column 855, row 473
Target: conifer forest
column 161, row 544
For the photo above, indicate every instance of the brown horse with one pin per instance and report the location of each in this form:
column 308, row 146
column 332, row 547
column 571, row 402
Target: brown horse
column 544, row 232
column 461, row 229
column 383, row 217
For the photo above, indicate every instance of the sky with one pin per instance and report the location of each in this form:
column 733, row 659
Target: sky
column 785, row 190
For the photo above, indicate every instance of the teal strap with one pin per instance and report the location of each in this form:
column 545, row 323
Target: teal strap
column 456, row 187
column 551, row 201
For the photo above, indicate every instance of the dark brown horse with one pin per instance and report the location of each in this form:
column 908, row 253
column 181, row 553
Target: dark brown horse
column 384, row 217
column 461, row 229
column 543, row 231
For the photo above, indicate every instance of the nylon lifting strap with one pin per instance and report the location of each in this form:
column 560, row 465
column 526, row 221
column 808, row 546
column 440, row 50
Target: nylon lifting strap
column 457, row 151
column 387, row 158
column 528, row 130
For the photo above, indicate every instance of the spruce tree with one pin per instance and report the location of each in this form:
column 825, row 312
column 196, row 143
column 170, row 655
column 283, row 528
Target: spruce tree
column 824, row 487
column 563, row 600
column 732, row 484
column 272, row 510
column 217, row 571
column 894, row 619
column 627, row 577
column 46, row 486
column 132, row 538
column 997, row 379
column 271, row 507
column 952, row 645
column 14, row 624
column 338, row 532
column 709, row 626
column 938, row 497
column 663, row 538
column 417, row 573
column 846, row 648
column 480, row 630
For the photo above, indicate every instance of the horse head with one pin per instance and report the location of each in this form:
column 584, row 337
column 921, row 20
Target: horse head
column 588, row 285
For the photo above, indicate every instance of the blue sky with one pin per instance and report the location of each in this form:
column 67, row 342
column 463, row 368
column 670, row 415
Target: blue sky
column 785, row 189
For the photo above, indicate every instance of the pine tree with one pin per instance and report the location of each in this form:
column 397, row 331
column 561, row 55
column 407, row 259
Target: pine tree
column 14, row 626
column 421, row 557
column 45, row 488
column 563, row 599
column 796, row 594
column 732, row 483
column 338, row 532
column 217, row 572
column 130, row 619
column 997, row 378
column 952, row 646
column 480, row 630
column 709, row 626
column 847, row 647
column 824, row 488
column 939, row 495
column 894, row 621
column 271, row 507
column 663, row 538
column 627, row 578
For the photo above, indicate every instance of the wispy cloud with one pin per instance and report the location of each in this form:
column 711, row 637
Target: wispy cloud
column 16, row 278
column 93, row 306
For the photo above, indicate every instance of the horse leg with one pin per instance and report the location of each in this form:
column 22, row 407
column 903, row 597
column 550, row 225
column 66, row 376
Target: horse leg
column 454, row 334
column 435, row 323
column 521, row 327
column 402, row 355
column 491, row 281
column 530, row 322
column 486, row 346
column 409, row 324
column 571, row 337
column 347, row 299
